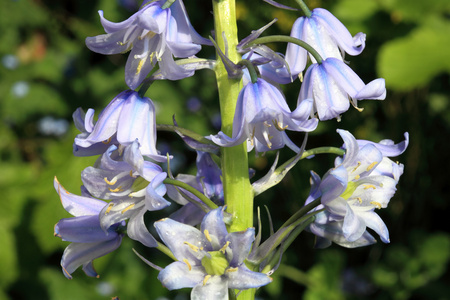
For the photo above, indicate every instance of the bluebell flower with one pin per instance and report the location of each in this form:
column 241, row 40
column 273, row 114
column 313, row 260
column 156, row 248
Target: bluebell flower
column 331, row 84
column 209, row 260
column 134, row 187
column 126, row 118
column 154, row 35
column 262, row 116
column 363, row 180
column 208, row 181
column 88, row 240
column 326, row 34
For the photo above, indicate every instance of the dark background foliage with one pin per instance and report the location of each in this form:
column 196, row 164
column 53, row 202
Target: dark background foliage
column 46, row 73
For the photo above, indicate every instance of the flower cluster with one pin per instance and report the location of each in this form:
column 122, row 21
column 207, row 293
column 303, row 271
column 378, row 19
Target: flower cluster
column 361, row 181
column 212, row 242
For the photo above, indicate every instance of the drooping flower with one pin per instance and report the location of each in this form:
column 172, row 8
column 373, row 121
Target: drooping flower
column 134, row 187
column 126, row 118
column 331, row 83
column 262, row 116
column 210, row 260
column 363, row 180
column 208, row 181
column 89, row 240
column 154, row 35
column 326, row 34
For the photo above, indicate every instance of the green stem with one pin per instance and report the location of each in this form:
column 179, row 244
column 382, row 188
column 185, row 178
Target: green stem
column 238, row 191
column 251, row 69
column 165, row 250
column 304, row 8
column 287, row 39
column 322, row 150
column 194, row 191
column 301, row 212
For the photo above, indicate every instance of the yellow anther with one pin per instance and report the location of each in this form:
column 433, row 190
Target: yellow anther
column 127, row 208
column 359, row 200
column 108, row 209
column 117, row 189
column 112, row 182
column 371, row 166
column 357, row 166
column 357, row 177
column 231, row 270
column 139, row 67
column 369, row 186
column 131, row 173
column 224, row 247
column 208, row 237
column 194, row 248
column 377, row 204
column 278, row 125
column 120, row 43
column 267, row 124
column 187, row 263
column 106, row 142
column 205, row 280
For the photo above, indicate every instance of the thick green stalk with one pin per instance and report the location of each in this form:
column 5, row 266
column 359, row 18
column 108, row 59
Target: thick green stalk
column 237, row 188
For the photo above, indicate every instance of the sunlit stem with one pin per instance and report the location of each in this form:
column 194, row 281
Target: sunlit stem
column 322, row 150
column 165, row 250
column 287, row 39
column 194, row 191
column 305, row 8
column 235, row 176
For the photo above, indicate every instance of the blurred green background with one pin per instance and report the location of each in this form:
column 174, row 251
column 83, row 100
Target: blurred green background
column 47, row 72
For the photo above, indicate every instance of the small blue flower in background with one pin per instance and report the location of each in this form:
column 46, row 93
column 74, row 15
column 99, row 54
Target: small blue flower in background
column 363, row 180
column 154, row 35
column 126, row 118
column 210, row 260
column 262, row 116
column 326, row 34
column 89, row 240
column 331, row 83
column 208, row 181
column 51, row 126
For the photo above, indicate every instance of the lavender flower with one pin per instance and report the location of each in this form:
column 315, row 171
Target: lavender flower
column 134, row 187
column 154, row 35
column 362, row 181
column 331, row 83
column 126, row 118
column 326, row 34
column 262, row 116
column 89, row 240
column 210, row 260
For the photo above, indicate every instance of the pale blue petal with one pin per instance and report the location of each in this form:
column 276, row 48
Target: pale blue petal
column 354, row 226
column 177, row 275
column 78, row 205
column 213, row 222
column 174, row 235
column 83, row 229
column 77, row 254
column 351, row 45
column 216, row 288
column 137, row 230
column 243, row 279
column 240, row 245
